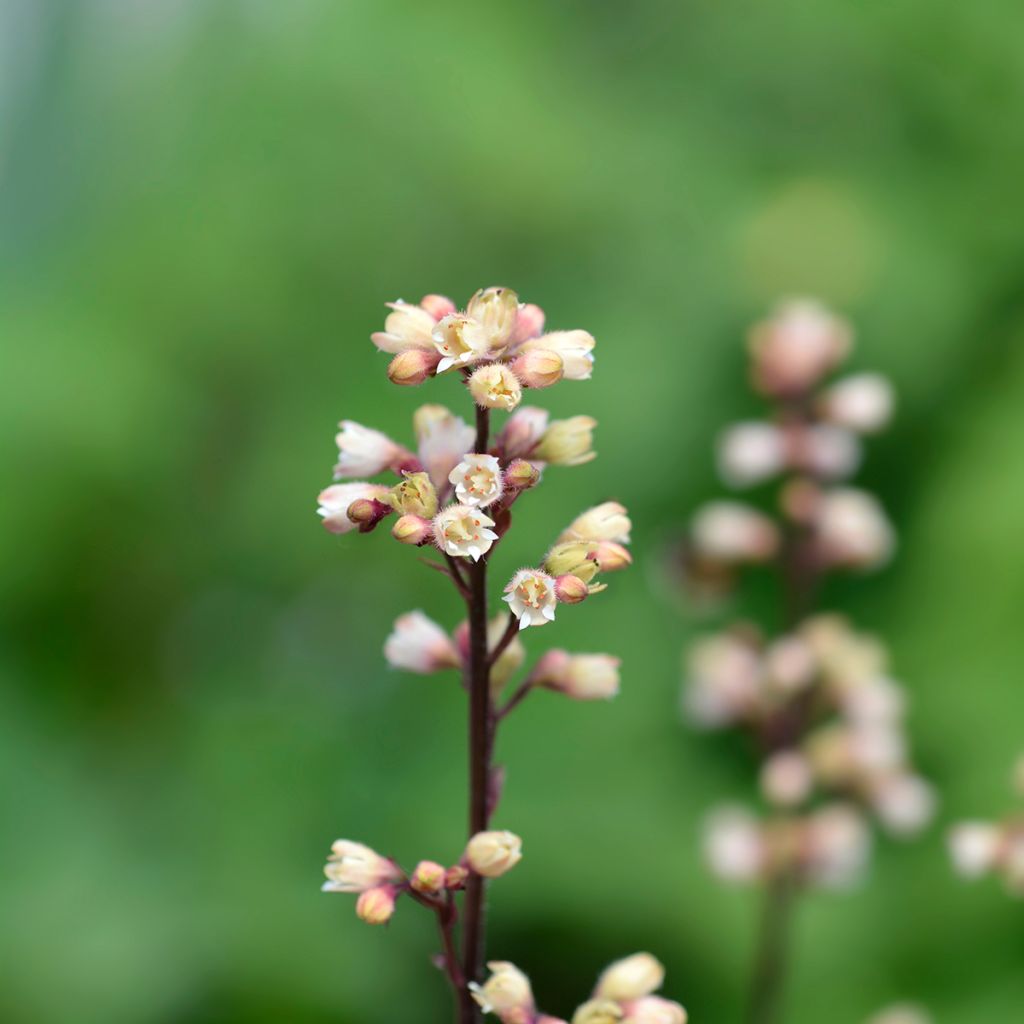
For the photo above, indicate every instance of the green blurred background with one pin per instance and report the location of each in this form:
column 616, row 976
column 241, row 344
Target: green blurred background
column 203, row 207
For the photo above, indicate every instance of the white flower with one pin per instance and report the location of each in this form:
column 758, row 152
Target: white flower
column 364, row 452
column 861, row 402
column 631, row 978
column 904, row 803
column 335, row 500
column 493, row 853
column 607, row 521
column 419, row 644
column 974, row 847
column 444, row 439
column 724, row 680
column 353, row 867
column 733, row 844
column 481, row 332
column 575, row 347
column 729, row 531
column 506, row 993
column 463, row 531
column 852, row 529
column 751, row 452
column 407, row 327
column 477, row 480
column 531, row 596
column 838, row 844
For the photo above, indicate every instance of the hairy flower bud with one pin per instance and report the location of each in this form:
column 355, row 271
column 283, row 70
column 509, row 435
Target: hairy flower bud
column 568, row 442
column 412, row 367
column 376, row 906
column 418, row 644
column 366, row 513
column 538, row 368
column 571, row 589
column 574, row 557
column 495, row 386
column 496, row 310
column 506, row 994
column 407, row 328
column 415, row 495
column 576, row 349
column 607, row 521
column 428, row 877
column 631, row 978
column 437, row 306
column 366, row 452
column 494, row 853
column 413, row 530
column 521, row 475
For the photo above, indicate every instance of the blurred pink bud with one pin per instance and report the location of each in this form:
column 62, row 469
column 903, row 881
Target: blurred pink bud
column 728, row 531
column 334, row 502
column 862, row 402
column 825, row 451
column 836, row 846
column 366, row 513
column 418, row 644
column 437, row 306
column 598, row 1011
column 580, row 676
column 376, row 906
column 630, row 978
column 790, row 664
column 520, row 475
column 538, row 368
column 413, row 530
column 571, row 589
column 353, row 867
column 796, row 347
column 852, row 530
column 654, row 1010
column 611, row 557
column 751, row 452
column 529, row 323
column 455, row 877
column 901, row 1013
column 428, row 877
column 412, row 367
column 734, row 845
column 974, row 847
column 905, row 803
column 492, row 854
column 786, row 778
column 522, row 432
column 366, row 452
column 724, row 681
column 568, row 442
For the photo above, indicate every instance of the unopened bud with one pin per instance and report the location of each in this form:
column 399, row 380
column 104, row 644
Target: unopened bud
column 862, row 402
column 521, row 475
column 538, row 368
column 413, row 530
column 428, row 877
column 438, row 306
column 786, row 778
column 655, row 1010
column 632, row 978
column 413, row 367
column 574, row 557
column 495, row 386
column 376, row 906
column 493, row 853
column 598, row 1011
column 366, row 513
column 568, row 442
column 611, row 557
column 415, row 495
column 455, row 877
column 506, row 994
column 580, row 676
column 571, row 589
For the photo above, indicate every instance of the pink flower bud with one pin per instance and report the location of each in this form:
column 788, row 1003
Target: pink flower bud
column 520, row 475
column 354, row 867
column 571, row 589
column 376, row 906
column 731, row 532
column 611, row 557
column 975, row 847
column 336, row 499
column 529, row 323
column 492, row 854
column 522, row 432
column 632, row 978
column 495, row 386
column 455, row 877
column 538, row 368
column 862, row 402
column 418, row 644
column 413, row 530
column 438, row 306
column 366, row 513
column 428, row 877
column 413, row 367
column 654, row 1010
column 786, row 778
column 580, row 676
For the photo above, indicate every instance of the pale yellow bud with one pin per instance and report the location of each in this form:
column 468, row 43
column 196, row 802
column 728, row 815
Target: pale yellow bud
column 654, row 1010
column 495, row 386
column 607, row 521
column 493, row 853
column 506, row 993
column 412, row 530
column 428, row 417
column 571, row 589
column 376, row 906
column 598, row 1011
column 496, row 310
column 631, row 978
column 568, row 442
column 412, row 367
column 521, row 475
column 428, row 877
column 538, row 368
column 415, row 496
column 572, row 556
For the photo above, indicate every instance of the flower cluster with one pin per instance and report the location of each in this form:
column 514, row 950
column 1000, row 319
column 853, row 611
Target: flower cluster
column 623, row 995
column 817, row 700
column 979, row 848
column 453, row 491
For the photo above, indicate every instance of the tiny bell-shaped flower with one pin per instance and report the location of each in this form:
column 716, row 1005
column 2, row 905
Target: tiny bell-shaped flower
column 334, row 503
column 580, row 676
column 497, row 312
column 531, row 597
column 576, row 349
column 377, row 905
column 413, row 530
column 460, row 340
column 495, row 386
column 413, row 367
column 428, row 877
column 409, row 328
column 522, row 432
column 415, row 495
column 631, row 978
column 568, row 442
column 353, row 867
column 571, row 589
column 538, row 368
column 418, row 644
column 478, row 480
column 464, row 532
column 521, row 475
column 366, row 452
column 862, row 402
column 492, row 854
column 607, row 521
column 506, row 994
column 443, row 439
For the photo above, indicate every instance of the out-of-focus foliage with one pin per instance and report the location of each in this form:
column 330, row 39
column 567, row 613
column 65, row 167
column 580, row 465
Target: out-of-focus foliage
column 203, row 206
